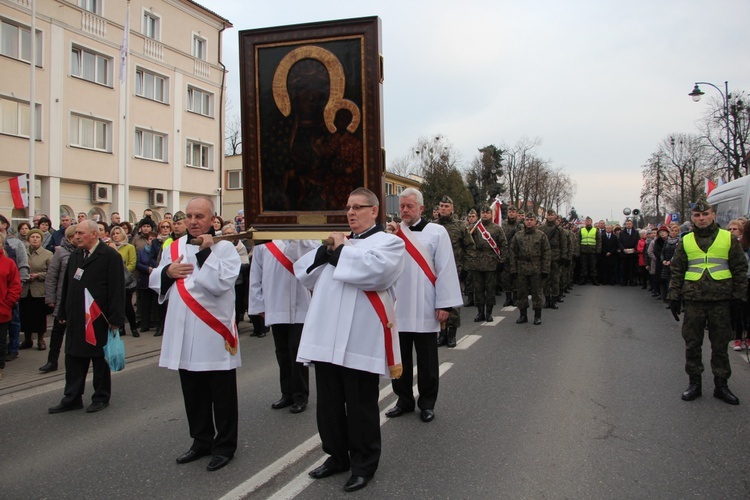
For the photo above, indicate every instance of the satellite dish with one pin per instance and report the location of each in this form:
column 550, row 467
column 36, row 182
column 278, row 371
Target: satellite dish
column 626, row 211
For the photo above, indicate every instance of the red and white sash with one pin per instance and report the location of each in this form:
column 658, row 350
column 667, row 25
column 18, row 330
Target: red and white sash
column 418, row 252
column 488, row 238
column 199, row 303
column 279, row 254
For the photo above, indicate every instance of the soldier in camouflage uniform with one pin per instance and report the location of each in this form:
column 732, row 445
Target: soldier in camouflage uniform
column 510, row 226
column 558, row 244
column 709, row 273
column 468, row 261
column 575, row 254
column 530, row 263
column 462, row 243
column 485, row 263
column 566, row 260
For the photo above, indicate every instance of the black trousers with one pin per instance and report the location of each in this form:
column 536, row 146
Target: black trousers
column 294, row 377
column 56, row 340
column 349, row 417
column 76, row 369
column 428, row 375
column 212, row 410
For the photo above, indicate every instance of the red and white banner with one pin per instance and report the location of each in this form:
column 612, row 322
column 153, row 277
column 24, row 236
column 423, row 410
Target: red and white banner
column 279, row 254
column 488, row 238
column 418, row 252
column 710, row 186
column 92, row 312
column 19, row 190
column 497, row 213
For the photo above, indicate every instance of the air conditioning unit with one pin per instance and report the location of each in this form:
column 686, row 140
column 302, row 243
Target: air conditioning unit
column 157, row 198
column 101, row 193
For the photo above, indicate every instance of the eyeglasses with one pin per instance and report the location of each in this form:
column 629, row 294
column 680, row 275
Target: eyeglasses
column 165, row 226
column 356, row 208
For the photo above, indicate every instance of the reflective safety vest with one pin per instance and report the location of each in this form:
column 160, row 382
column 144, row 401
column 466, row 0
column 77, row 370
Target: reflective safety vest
column 588, row 236
column 716, row 260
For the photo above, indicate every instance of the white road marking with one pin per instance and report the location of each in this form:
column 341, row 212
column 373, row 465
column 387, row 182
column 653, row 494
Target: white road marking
column 509, row 308
column 298, row 484
column 495, row 321
column 467, row 341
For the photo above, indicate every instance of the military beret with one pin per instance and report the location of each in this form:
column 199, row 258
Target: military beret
column 701, row 205
column 179, row 216
column 446, row 199
column 530, row 215
column 550, row 212
column 512, row 209
column 486, row 208
column 472, row 212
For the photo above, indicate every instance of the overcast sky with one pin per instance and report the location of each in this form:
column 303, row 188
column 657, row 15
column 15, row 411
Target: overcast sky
column 599, row 82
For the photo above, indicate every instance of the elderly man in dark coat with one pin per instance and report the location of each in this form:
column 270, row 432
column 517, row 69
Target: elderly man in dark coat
column 96, row 268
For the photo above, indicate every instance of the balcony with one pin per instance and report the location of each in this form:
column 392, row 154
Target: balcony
column 202, row 68
column 153, row 49
column 91, row 23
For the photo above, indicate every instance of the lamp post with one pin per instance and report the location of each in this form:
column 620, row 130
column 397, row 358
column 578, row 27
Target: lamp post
column 697, row 93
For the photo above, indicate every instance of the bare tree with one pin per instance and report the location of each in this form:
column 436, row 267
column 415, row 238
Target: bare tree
column 685, row 168
column 713, row 128
column 517, row 159
column 233, row 137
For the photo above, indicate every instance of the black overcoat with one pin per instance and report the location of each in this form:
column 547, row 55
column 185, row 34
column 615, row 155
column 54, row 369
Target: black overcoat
column 103, row 276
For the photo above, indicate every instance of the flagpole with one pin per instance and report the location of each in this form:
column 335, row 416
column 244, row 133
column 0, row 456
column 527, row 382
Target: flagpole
column 124, row 203
column 32, row 116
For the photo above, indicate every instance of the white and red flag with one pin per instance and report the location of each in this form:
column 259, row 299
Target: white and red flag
column 19, row 190
column 710, row 186
column 496, row 207
column 92, row 312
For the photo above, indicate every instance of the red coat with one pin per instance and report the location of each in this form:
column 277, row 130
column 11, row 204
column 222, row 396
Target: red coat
column 641, row 248
column 10, row 287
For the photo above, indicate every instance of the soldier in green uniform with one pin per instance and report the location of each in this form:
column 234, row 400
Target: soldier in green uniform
column 510, row 226
column 462, row 243
column 468, row 261
column 530, row 264
column 558, row 244
column 491, row 248
column 709, row 274
column 591, row 247
column 566, row 260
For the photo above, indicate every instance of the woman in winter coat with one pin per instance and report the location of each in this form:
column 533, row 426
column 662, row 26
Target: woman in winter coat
column 33, row 309
column 10, row 292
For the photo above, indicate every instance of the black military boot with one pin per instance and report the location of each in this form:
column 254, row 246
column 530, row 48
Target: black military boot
column 480, row 315
column 594, row 281
column 546, row 302
column 515, row 299
column 488, row 312
column 508, row 299
column 560, row 298
column 441, row 340
column 451, row 336
column 523, row 318
column 537, row 316
column 552, row 304
column 694, row 389
column 721, row 391
column 469, row 299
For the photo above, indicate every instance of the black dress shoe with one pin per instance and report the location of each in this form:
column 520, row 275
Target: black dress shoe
column 217, row 462
column 325, row 470
column 282, row 403
column 190, row 456
column 61, row 408
column 427, row 415
column 356, row 483
column 97, row 406
column 396, row 411
column 693, row 391
column 136, row 334
column 297, row 408
column 49, row 367
column 726, row 395
column 26, row 344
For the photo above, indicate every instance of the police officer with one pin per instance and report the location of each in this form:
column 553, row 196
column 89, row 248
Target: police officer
column 530, row 264
column 559, row 248
column 491, row 248
column 591, row 247
column 462, row 243
column 709, row 273
column 510, row 226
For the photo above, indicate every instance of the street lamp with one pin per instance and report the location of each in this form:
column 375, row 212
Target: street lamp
column 697, row 93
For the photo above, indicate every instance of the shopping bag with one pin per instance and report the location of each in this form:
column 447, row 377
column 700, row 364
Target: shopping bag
column 114, row 350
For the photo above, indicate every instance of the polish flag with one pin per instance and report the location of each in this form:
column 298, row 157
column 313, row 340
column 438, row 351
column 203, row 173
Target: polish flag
column 19, row 190
column 497, row 214
column 667, row 219
column 92, row 312
column 710, row 186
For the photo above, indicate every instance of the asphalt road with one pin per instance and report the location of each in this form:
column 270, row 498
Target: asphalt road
column 587, row 405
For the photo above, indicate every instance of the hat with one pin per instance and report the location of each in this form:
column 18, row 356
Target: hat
column 530, row 215
column 486, row 208
column 178, row 216
column 701, row 205
column 512, row 208
column 472, row 212
column 588, row 218
column 147, row 220
column 446, row 199
column 551, row 212
column 663, row 228
column 35, row 231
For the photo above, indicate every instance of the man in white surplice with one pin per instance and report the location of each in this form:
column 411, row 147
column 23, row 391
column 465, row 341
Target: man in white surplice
column 426, row 292
column 350, row 337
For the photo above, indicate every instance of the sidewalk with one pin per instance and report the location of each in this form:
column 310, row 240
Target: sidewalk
column 23, row 372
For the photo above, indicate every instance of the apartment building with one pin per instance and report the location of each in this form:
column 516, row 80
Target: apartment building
column 115, row 130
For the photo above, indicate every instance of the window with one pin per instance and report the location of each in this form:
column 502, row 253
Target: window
column 399, row 189
column 234, row 179
column 150, row 145
column 388, row 188
column 151, row 86
column 151, row 25
column 90, row 133
column 199, row 47
column 15, row 42
column 198, row 155
column 91, row 66
column 15, row 118
column 94, row 6
column 200, row 101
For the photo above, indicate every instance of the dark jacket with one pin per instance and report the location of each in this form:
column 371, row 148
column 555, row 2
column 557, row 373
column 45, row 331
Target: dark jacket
column 145, row 260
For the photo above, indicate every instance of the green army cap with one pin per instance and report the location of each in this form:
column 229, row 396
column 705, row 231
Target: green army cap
column 179, row 216
column 512, row 208
column 551, row 212
column 701, row 205
column 486, row 208
column 446, row 199
column 472, row 212
column 529, row 215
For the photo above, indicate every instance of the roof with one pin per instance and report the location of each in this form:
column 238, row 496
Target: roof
column 210, row 12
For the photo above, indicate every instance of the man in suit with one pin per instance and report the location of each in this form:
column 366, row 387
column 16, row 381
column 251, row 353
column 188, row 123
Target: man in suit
column 95, row 268
column 610, row 244
column 628, row 242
